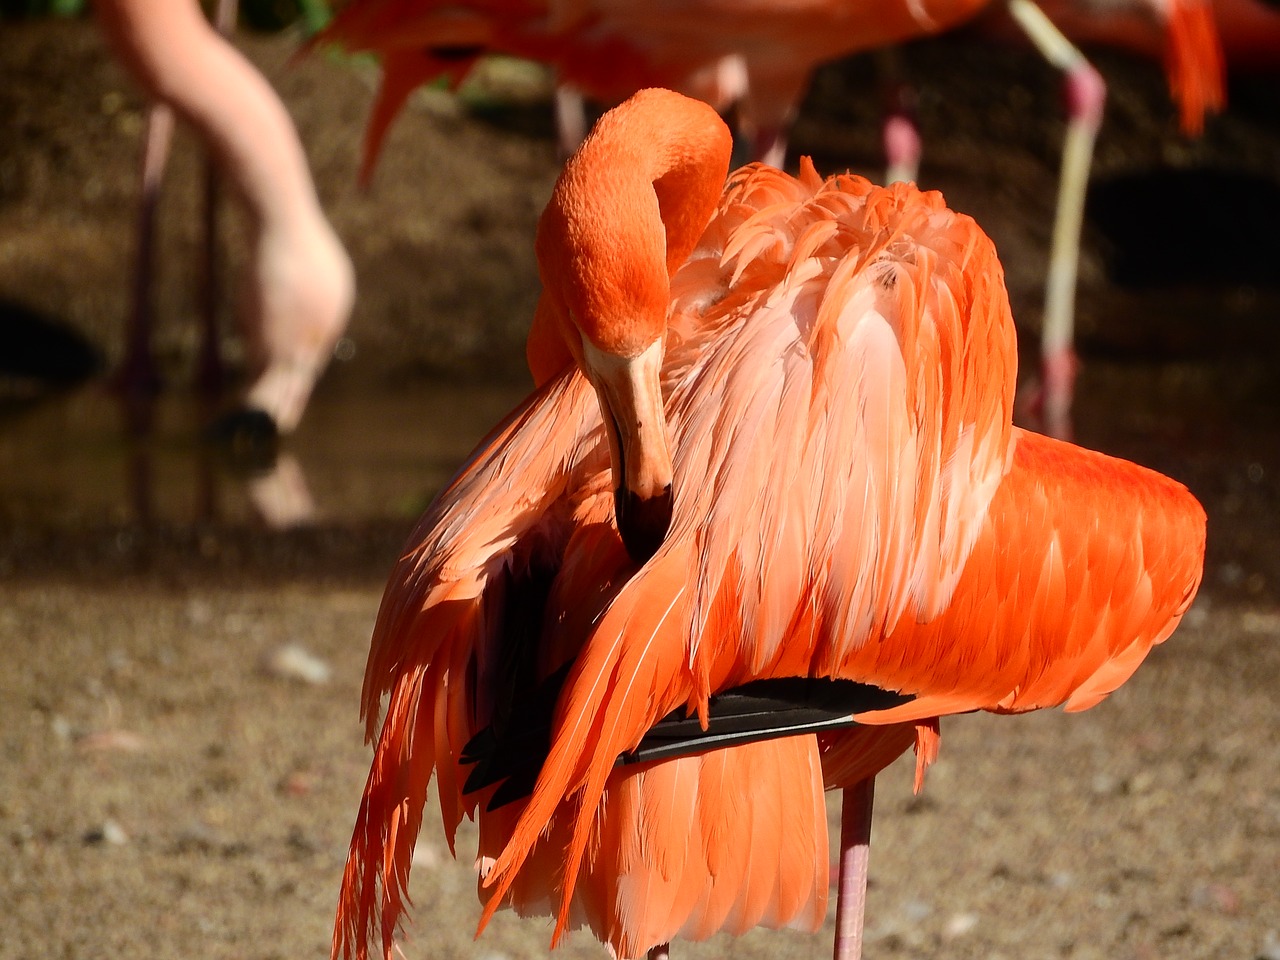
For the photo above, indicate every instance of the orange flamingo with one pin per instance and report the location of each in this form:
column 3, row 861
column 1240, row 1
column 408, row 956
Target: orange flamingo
column 756, row 54
column 794, row 396
column 759, row 54
column 301, row 286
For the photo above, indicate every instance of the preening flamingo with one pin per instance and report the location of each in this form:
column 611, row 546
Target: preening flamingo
column 301, row 285
column 794, row 396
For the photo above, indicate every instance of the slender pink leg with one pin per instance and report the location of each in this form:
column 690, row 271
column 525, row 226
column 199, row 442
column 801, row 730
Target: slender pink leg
column 903, row 146
column 855, row 850
column 1085, row 95
column 571, row 118
column 210, row 374
column 900, row 133
column 137, row 378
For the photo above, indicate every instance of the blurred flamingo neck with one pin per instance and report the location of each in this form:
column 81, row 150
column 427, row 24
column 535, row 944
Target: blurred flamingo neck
column 178, row 58
column 626, row 213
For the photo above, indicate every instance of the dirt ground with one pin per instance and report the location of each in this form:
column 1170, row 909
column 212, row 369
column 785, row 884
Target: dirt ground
column 180, row 756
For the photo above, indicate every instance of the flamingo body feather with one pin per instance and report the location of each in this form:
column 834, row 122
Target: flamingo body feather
column 850, row 501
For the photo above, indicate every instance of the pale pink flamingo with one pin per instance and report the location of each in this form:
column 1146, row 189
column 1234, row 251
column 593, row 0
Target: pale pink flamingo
column 301, row 285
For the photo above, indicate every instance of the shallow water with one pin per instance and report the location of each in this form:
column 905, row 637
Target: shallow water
column 78, row 492
column 81, row 497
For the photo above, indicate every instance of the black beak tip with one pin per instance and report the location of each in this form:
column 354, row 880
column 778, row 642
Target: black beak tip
column 643, row 522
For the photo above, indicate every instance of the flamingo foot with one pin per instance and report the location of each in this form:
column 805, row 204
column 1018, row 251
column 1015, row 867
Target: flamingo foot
column 249, row 437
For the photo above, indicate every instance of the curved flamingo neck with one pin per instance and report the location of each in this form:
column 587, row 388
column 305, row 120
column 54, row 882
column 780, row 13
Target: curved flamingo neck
column 177, row 57
column 625, row 214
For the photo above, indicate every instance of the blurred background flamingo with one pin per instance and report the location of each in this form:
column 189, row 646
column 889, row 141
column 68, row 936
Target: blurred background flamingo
column 301, row 285
column 757, row 58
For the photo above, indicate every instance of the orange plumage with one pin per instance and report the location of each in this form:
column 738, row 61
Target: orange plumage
column 756, row 53
column 849, row 500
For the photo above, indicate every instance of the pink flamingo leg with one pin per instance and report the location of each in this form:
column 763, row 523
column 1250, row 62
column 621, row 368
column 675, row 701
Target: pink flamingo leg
column 855, row 852
column 571, row 118
column 903, row 145
column 900, row 133
column 1086, row 93
column 211, row 371
column 137, row 379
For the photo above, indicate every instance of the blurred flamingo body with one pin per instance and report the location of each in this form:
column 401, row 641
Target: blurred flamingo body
column 832, row 489
column 301, row 286
column 1184, row 34
column 610, row 48
column 759, row 54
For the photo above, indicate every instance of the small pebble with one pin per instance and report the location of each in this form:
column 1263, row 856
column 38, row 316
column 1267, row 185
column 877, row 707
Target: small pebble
column 426, row 856
column 299, row 783
column 104, row 741
column 1061, row 879
column 293, row 662
column 1216, row 896
column 110, row 833
column 958, row 924
column 916, row 910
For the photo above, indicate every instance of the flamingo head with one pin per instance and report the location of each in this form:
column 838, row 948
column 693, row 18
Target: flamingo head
column 627, row 211
column 606, row 292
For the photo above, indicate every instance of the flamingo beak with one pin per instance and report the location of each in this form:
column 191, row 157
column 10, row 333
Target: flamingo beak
column 631, row 403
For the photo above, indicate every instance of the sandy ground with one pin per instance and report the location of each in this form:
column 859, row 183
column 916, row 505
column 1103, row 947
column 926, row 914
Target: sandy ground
column 180, row 757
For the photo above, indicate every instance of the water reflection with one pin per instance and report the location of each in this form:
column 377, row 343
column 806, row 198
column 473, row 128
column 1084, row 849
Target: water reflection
column 80, row 495
column 360, row 455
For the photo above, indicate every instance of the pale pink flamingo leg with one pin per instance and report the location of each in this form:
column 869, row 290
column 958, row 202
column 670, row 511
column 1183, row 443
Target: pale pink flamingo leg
column 903, row 146
column 855, row 852
column 137, row 379
column 1085, row 95
column 571, row 118
column 900, row 133
column 211, row 373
